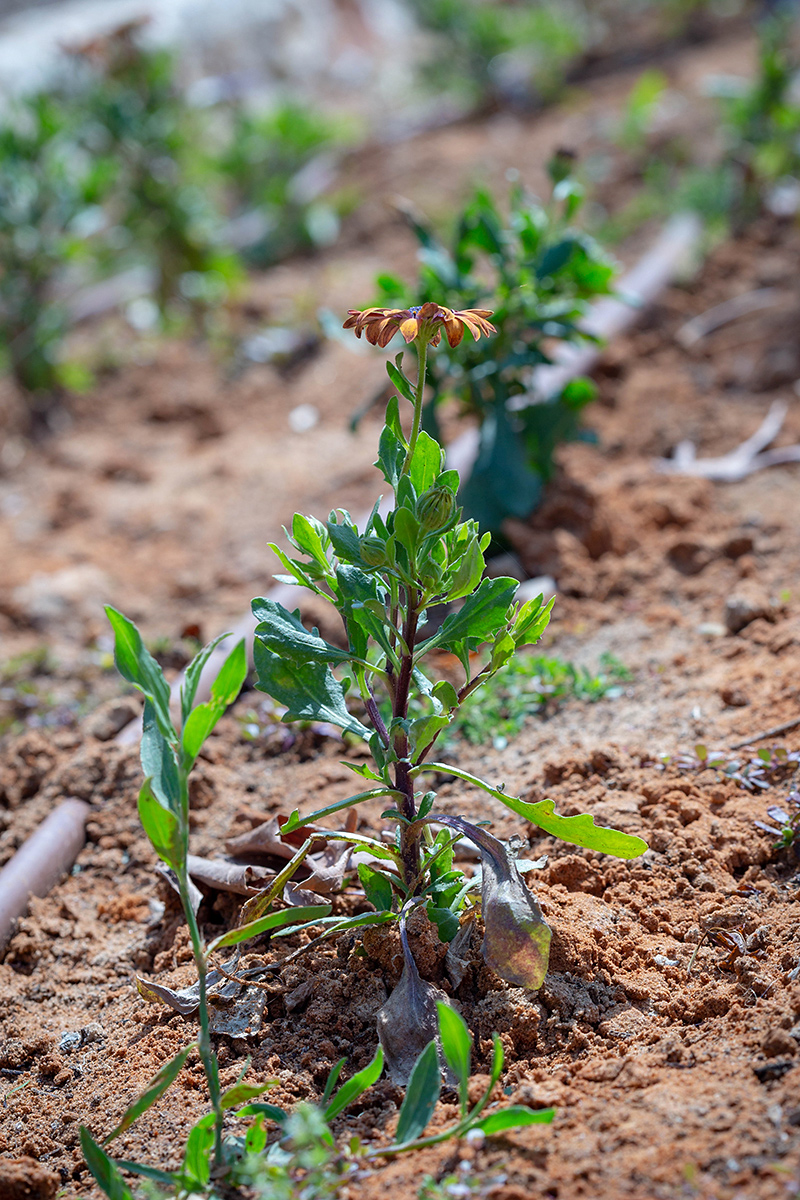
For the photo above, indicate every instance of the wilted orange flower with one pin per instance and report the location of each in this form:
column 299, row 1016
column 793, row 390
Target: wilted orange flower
column 381, row 324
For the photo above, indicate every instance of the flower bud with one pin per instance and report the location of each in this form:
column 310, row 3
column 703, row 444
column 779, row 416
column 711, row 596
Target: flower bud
column 372, row 551
column 435, row 509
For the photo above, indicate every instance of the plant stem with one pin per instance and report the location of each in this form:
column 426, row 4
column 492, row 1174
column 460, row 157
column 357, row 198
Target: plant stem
column 409, row 845
column 422, row 353
column 205, row 1049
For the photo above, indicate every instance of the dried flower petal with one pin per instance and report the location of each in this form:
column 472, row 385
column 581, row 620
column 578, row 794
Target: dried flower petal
column 381, row 324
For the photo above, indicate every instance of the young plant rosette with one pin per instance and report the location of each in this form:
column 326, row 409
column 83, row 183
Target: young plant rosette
column 382, row 579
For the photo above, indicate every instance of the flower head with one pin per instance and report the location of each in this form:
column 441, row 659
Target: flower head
column 426, row 320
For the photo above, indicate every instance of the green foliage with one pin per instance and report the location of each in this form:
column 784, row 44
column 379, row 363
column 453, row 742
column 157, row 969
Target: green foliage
column 305, row 1160
column 137, row 121
column 279, row 164
column 50, row 194
column 489, row 53
column 528, row 685
column 381, row 580
column 537, row 270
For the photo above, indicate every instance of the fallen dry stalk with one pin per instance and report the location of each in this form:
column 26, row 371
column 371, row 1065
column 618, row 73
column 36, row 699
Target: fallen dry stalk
column 40, row 862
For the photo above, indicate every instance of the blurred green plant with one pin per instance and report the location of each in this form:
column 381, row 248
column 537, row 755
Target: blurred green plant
column 538, row 270
column 529, row 684
column 166, row 202
column 279, row 164
column 50, row 197
column 492, row 54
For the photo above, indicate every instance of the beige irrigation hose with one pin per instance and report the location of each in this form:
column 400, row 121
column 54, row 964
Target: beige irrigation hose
column 40, row 862
column 53, row 847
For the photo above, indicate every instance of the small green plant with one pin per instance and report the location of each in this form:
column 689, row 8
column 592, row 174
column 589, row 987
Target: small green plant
column 527, row 685
column 786, row 827
column 50, row 191
column 756, row 772
column 488, row 54
column 538, row 270
column 165, row 207
column 278, row 164
column 416, row 554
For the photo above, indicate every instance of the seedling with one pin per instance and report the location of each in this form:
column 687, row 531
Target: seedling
column 305, row 1150
column 538, row 270
column 759, row 771
column 786, row 825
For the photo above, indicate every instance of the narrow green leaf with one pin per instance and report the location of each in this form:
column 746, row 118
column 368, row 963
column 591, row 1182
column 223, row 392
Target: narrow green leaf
column 240, row 1093
column 191, row 677
column 161, row 826
column 154, row 1090
column 274, row 920
column 399, row 381
column 498, row 1056
column 226, row 687
column 271, row 1111
column 580, row 830
column 354, row 1087
column 158, row 761
column 103, row 1168
column 421, row 1096
column 196, row 1168
column 514, row 1117
column 295, row 821
column 284, row 633
column 456, row 1047
column 164, row 1177
column 332, row 1080
column 136, row 664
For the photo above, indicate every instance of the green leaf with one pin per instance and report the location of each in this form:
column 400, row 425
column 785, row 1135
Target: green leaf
column 196, row 1167
column 426, row 463
column 423, row 731
column 241, row 1093
column 445, row 921
column 136, row 664
column 224, row 690
column 147, row 1172
column 514, row 1117
column 271, row 1111
column 456, row 1047
column 344, row 539
column 377, row 887
column 406, row 528
column 311, row 536
column 274, row 920
column 158, row 761
column 255, row 1139
column 154, row 1090
column 580, row 830
column 192, row 675
column 354, row 1087
column 479, row 617
column 307, row 689
column 361, row 605
column 161, row 826
column 468, row 571
column 555, row 257
column 331, row 1081
column 531, row 621
column 282, row 632
column 421, row 1096
column 446, row 694
column 403, row 385
column 103, row 1168
column 501, row 483
column 295, row 821
column 392, row 446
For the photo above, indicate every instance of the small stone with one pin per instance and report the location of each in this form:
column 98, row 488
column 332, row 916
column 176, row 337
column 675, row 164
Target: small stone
column 778, row 1042
column 70, row 1040
column 93, row 1032
column 107, row 720
column 746, row 604
column 733, row 697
